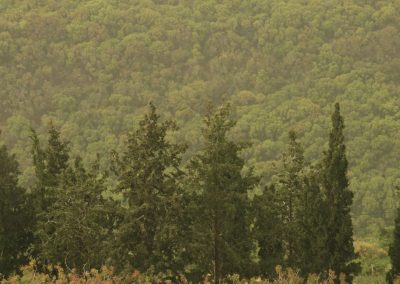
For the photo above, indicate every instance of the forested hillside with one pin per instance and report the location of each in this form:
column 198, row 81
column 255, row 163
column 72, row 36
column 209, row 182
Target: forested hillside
column 92, row 67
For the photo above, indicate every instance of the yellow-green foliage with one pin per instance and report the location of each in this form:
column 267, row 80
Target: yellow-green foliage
column 374, row 260
column 92, row 66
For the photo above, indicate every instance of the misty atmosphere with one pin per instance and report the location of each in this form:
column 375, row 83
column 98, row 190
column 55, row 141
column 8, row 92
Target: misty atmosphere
column 188, row 141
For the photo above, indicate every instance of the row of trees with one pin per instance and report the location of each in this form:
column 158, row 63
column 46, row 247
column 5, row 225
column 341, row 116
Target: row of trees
column 162, row 215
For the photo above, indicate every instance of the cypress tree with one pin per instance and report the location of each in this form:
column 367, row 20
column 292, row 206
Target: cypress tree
column 148, row 175
column 15, row 216
column 312, row 222
column 222, row 241
column 339, row 198
column 289, row 189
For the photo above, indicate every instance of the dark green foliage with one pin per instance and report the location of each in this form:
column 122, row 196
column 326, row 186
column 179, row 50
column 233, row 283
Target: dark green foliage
column 341, row 256
column 289, row 189
column 312, row 222
column 148, row 174
column 169, row 222
column 268, row 231
column 222, row 241
column 75, row 229
column 49, row 165
column 15, row 216
column 56, row 157
column 394, row 251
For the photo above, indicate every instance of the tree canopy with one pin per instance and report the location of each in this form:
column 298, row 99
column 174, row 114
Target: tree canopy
column 91, row 67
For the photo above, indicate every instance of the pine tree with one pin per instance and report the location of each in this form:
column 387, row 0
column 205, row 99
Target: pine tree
column 15, row 216
column 148, row 174
column 339, row 199
column 222, row 242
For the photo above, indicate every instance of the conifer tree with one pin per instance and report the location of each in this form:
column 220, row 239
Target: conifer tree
column 15, row 216
column 49, row 164
column 339, row 198
column 312, row 216
column 394, row 251
column 57, row 156
column 219, row 195
column 76, row 226
column 268, row 230
column 149, row 174
column 289, row 189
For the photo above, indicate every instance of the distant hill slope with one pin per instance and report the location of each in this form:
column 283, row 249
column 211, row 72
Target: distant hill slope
column 92, row 66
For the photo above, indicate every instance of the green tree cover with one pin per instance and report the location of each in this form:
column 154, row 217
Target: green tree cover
column 92, row 66
column 218, row 194
column 149, row 179
column 76, row 227
column 339, row 199
column 394, row 251
column 206, row 218
column 15, row 215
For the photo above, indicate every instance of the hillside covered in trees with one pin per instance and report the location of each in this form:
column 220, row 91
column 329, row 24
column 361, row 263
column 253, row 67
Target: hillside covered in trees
column 91, row 67
column 87, row 71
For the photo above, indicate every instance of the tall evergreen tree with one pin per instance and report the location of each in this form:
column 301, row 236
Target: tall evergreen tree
column 269, row 230
column 312, row 216
column 219, row 191
column 339, row 198
column 15, row 216
column 289, row 189
column 49, row 164
column 148, row 175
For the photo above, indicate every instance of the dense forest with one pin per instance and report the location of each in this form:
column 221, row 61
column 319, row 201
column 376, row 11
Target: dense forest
column 87, row 70
column 166, row 218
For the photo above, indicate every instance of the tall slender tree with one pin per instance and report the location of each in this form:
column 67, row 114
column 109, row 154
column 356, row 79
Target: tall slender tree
column 339, row 198
column 269, row 229
column 290, row 187
column 148, row 174
column 220, row 193
column 312, row 216
column 15, row 216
